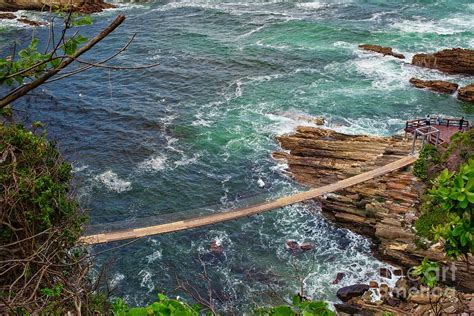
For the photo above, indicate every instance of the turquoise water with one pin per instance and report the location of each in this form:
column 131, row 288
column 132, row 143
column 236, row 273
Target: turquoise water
column 195, row 135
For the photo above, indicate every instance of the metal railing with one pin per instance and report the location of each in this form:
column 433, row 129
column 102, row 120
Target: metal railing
column 456, row 122
column 428, row 134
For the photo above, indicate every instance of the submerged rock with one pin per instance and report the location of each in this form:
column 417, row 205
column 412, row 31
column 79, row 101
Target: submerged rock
column 348, row 292
column 7, row 16
column 435, row 85
column 456, row 60
column 216, row 248
column 381, row 50
column 339, row 277
column 306, row 246
column 292, row 245
column 30, row 22
column 466, row 93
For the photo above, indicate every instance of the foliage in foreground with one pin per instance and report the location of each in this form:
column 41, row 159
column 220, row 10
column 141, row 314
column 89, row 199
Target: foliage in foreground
column 448, row 206
column 167, row 306
column 298, row 307
column 428, row 271
column 40, row 223
column 163, row 306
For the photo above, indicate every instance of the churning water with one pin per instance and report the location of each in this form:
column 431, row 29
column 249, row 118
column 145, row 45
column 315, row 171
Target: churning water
column 195, row 134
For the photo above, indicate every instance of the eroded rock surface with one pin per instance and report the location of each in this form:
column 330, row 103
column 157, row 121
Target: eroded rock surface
column 381, row 50
column 378, row 208
column 435, row 85
column 455, row 60
column 466, row 93
column 7, row 16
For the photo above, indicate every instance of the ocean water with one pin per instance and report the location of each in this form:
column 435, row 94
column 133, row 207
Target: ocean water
column 195, row 134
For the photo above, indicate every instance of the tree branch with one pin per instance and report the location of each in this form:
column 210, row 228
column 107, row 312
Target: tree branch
column 21, row 91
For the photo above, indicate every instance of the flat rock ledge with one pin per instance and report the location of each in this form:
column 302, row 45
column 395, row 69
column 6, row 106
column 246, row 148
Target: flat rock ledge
column 466, row 93
column 455, row 60
column 384, row 208
column 381, row 50
column 435, row 85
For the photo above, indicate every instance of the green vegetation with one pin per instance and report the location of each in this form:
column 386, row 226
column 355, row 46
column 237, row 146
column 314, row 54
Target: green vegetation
column 448, row 206
column 428, row 271
column 430, row 217
column 163, row 306
column 40, row 224
column 428, row 157
column 30, row 63
column 298, row 307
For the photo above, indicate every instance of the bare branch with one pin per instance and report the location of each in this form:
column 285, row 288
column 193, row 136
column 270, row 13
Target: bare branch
column 22, row 90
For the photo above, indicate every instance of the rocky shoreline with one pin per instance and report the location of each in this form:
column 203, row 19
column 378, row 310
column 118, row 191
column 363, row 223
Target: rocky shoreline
column 452, row 61
column 383, row 209
column 80, row 6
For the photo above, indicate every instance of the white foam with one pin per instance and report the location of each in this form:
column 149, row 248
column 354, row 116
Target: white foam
column 146, row 282
column 78, row 168
column 184, row 161
column 153, row 164
column 154, row 256
column 447, row 26
column 310, row 5
column 113, row 183
column 116, row 279
column 286, row 122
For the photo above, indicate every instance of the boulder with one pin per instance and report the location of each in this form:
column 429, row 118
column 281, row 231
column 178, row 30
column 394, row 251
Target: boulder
column 216, row 248
column 307, row 246
column 347, row 309
column 381, row 50
column 348, row 292
column 423, row 298
column 339, row 277
column 385, row 273
column 435, row 85
column 466, row 93
column 455, row 60
column 7, row 16
column 292, row 245
column 30, row 22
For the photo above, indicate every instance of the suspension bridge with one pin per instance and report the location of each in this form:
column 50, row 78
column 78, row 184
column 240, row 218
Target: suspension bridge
column 215, row 218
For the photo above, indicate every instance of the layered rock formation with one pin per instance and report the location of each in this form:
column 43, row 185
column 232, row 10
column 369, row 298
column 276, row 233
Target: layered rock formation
column 421, row 302
column 83, row 6
column 381, row 50
column 466, row 93
column 435, row 85
column 456, row 60
column 383, row 208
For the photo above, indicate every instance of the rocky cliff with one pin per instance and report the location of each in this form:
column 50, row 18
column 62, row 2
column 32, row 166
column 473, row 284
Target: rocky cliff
column 455, row 60
column 384, row 208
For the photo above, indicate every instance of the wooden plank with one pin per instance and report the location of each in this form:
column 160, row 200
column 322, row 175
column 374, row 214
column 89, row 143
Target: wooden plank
column 246, row 211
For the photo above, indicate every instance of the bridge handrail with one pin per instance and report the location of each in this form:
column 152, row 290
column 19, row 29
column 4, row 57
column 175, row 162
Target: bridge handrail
column 433, row 121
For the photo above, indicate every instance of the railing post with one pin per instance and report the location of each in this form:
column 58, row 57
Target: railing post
column 414, row 143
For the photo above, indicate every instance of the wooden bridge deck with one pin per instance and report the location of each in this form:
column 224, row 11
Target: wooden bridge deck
column 247, row 211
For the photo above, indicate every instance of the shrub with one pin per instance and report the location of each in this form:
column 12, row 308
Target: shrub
column 40, row 226
column 298, row 307
column 430, row 217
column 163, row 306
column 428, row 271
column 428, row 157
